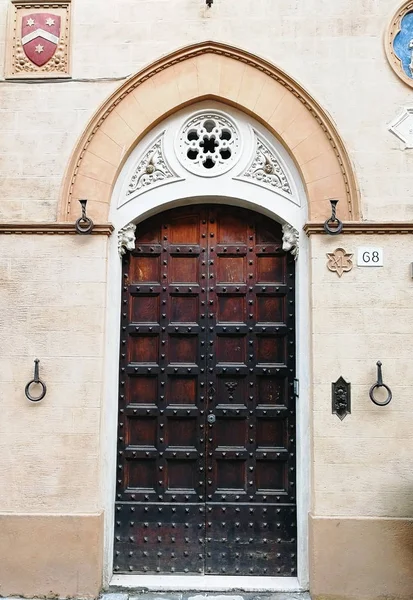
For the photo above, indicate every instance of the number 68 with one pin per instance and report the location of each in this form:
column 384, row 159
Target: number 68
column 371, row 256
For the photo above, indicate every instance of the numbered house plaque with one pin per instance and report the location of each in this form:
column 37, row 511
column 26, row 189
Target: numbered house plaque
column 369, row 256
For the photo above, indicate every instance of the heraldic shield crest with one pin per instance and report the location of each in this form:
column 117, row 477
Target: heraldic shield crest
column 40, row 34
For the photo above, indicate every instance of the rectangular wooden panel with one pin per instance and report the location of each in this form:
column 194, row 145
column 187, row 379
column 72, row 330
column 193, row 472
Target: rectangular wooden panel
column 270, row 269
column 271, row 349
column 183, row 269
column 272, row 390
column 182, row 390
column 145, row 309
column 230, row 308
column 184, row 309
column 141, row 390
column 183, row 349
column 231, row 349
column 147, row 269
column 231, row 269
column 143, row 348
column 270, row 309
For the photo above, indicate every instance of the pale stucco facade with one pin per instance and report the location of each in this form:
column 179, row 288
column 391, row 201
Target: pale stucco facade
column 331, row 113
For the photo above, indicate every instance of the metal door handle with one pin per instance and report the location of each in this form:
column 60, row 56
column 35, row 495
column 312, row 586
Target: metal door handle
column 211, row 419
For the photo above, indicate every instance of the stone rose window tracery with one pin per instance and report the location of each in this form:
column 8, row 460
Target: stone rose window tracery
column 208, row 144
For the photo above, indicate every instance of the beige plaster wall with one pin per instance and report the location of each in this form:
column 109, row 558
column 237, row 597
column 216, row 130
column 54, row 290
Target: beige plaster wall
column 51, row 556
column 362, row 508
column 334, row 49
column 52, row 292
column 361, row 559
column 52, row 304
column 362, row 465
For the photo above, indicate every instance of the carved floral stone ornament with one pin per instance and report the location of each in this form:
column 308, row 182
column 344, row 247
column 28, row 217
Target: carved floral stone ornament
column 265, row 168
column 126, row 239
column 152, row 169
column 208, row 143
column 399, row 42
column 38, row 39
column 290, row 239
column 339, row 261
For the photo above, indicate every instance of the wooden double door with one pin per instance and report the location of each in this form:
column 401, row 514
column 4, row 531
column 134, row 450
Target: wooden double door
column 206, row 442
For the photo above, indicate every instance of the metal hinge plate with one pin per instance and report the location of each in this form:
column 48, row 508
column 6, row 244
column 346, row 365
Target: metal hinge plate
column 296, row 388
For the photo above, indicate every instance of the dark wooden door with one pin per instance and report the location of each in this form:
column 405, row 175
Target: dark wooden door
column 206, row 447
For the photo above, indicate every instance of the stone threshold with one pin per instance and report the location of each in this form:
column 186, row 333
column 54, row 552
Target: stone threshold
column 145, row 595
column 201, row 583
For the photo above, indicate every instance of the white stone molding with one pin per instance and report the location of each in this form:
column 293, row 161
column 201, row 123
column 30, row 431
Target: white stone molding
column 290, row 240
column 126, row 239
column 152, row 169
column 402, row 127
column 208, row 143
column 266, row 168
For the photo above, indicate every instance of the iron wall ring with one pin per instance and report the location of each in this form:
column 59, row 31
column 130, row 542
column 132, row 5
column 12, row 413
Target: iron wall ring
column 84, row 225
column 389, row 394
column 334, row 230
column 42, row 393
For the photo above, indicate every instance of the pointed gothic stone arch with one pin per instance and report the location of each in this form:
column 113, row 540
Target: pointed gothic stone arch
column 211, row 71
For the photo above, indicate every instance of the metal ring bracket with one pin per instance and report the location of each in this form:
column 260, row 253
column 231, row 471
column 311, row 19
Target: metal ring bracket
column 35, row 381
column 338, row 227
column 40, row 396
column 84, row 224
column 378, row 385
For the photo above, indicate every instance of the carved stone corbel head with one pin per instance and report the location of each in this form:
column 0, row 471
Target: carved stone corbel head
column 290, row 239
column 126, row 239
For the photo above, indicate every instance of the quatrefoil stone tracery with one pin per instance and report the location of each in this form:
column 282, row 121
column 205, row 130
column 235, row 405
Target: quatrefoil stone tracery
column 208, row 144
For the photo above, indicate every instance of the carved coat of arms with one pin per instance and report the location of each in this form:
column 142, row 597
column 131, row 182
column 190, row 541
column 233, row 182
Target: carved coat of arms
column 40, row 36
column 38, row 39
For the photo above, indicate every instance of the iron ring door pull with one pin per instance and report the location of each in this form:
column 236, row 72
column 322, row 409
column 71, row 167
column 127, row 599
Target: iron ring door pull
column 378, row 385
column 338, row 227
column 35, row 381
column 84, row 224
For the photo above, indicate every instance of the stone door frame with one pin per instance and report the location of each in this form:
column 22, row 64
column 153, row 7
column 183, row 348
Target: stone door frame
column 154, row 201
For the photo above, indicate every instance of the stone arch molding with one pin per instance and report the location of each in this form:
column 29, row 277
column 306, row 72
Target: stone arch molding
column 211, row 71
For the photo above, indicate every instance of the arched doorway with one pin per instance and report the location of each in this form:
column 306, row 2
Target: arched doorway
column 305, row 139
column 260, row 184
column 206, row 444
